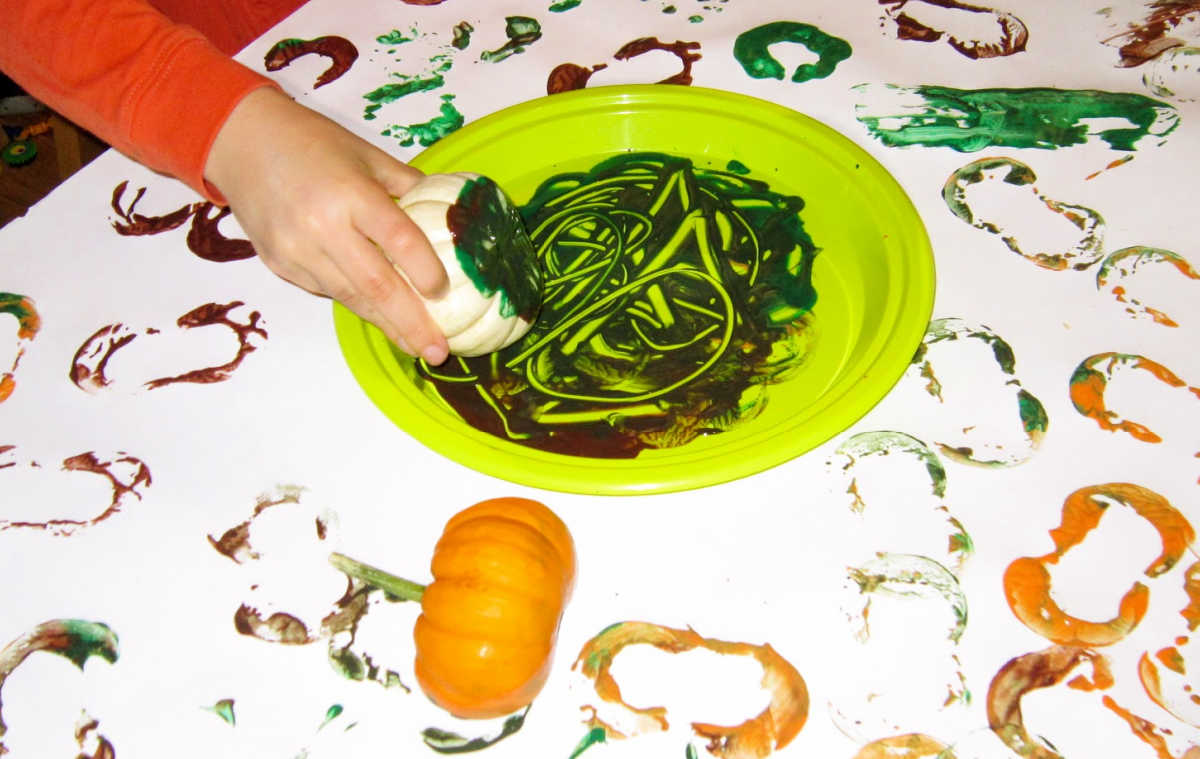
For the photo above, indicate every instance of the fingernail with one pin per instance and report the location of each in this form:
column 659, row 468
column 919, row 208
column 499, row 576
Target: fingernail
column 434, row 355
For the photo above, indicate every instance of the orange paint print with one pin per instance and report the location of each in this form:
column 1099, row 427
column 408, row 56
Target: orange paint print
column 1027, row 580
column 1119, row 269
column 1090, row 381
column 757, row 737
column 28, row 324
column 911, row 746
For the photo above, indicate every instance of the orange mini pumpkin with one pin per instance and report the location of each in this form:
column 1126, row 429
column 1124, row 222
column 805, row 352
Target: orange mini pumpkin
column 503, row 571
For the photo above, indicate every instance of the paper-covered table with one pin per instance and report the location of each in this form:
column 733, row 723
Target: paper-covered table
column 998, row 559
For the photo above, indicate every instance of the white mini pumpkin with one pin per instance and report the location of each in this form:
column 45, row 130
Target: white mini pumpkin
column 495, row 280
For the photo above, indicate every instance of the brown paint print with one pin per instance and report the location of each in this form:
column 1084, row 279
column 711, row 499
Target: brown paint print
column 127, row 475
column 572, row 76
column 90, row 365
column 931, row 20
column 340, row 52
column 1148, row 37
column 204, row 237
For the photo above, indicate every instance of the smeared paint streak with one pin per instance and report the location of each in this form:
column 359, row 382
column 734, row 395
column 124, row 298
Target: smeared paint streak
column 521, row 31
column 1191, row 586
column 76, row 640
column 590, row 738
column 1090, row 380
column 564, row 5
column 124, row 473
column 397, row 37
column 224, row 710
column 907, row 576
column 910, row 746
column 206, row 241
column 751, row 50
column 89, row 366
column 1175, row 74
column 571, row 76
column 1025, row 674
column 1034, row 420
column 426, row 133
column 21, row 307
column 340, row 51
column 1032, row 117
column 393, row 91
column 1012, row 33
column 1110, row 166
column 447, row 742
column 1027, row 579
column 135, row 224
column 1149, row 38
column 1012, row 172
column 340, row 628
column 771, row 730
column 1122, row 265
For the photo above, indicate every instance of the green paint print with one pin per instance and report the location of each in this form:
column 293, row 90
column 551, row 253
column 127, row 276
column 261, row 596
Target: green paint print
column 1034, row 117
column 1008, row 173
column 885, row 443
column 591, row 738
column 462, row 35
column 391, row 92
column 426, row 133
column 446, row 742
column 1120, row 268
column 564, row 5
column 397, row 37
column 673, row 295
column 909, row 576
column 751, row 50
column 224, row 710
column 493, row 249
column 1030, row 410
column 521, row 31
column 332, row 713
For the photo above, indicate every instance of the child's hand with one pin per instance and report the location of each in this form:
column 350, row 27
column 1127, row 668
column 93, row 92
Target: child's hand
column 316, row 201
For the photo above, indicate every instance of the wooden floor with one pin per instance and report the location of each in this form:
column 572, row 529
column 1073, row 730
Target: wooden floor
column 61, row 150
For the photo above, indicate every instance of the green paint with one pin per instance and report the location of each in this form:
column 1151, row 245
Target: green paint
column 695, row 20
column 1033, row 117
column 332, row 713
column 462, row 35
column 1033, row 414
column 737, row 167
column 428, row 132
column 493, row 249
column 671, row 295
column 883, row 443
column 224, row 710
column 669, row 9
column 17, row 305
column 389, row 93
column 751, row 50
column 79, row 640
column 521, row 31
column 564, row 5
column 591, row 738
column 397, row 37
column 446, row 742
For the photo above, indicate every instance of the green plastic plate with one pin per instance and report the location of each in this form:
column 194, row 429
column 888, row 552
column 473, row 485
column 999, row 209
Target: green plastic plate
column 874, row 277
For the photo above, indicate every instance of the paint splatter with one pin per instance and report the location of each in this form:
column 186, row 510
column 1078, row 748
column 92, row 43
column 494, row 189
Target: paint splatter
column 1119, row 269
column 340, row 51
column 752, row 50
column 930, row 20
column 564, row 5
column 665, row 313
column 74, row 639
column 127, row 475
column 1175, row 74
column 462, row 32
column 770, row 730
column 1091, row 379
column 1148, row 37
column 571, row 76
column 1033, row 117
column 21, row 308
column 1027, row 584
column 90, row 365
column 224, row 710
column 990, row 443
column 1025, row 674
column 1007, row 175
column 522, row 31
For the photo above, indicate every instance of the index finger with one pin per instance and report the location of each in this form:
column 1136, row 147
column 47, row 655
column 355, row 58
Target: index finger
column 404, row 244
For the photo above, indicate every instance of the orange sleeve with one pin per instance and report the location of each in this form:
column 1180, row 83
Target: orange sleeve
column 155, row 90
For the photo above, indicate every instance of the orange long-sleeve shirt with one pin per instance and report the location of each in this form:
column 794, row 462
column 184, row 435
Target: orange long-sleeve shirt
column 153, row 78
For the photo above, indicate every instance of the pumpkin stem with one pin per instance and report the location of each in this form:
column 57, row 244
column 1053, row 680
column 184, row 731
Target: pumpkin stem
column 388, row 583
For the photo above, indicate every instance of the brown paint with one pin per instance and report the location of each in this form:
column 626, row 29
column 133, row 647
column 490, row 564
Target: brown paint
column 340, row 51
column 206, row 241
column 90, row 362
column 90, row 462
column 277, row 628
column 1013, row 33
column 135, row 224
column 1150, row 38
column 234, row 543
column 571, row 76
